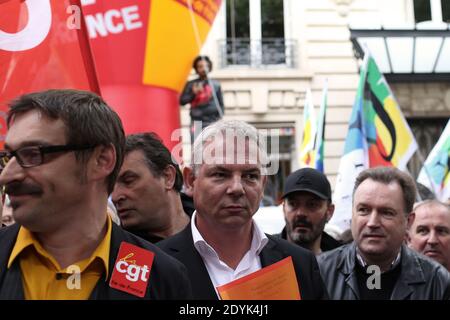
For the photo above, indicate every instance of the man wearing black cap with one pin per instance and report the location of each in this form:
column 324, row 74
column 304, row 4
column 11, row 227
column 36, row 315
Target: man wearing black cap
column 307, row 208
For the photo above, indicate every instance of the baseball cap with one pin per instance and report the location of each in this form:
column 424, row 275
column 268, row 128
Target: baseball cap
column 310, row 180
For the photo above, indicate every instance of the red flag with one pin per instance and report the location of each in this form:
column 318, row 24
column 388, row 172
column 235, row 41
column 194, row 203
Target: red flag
column 143, row 50
column 43, row 45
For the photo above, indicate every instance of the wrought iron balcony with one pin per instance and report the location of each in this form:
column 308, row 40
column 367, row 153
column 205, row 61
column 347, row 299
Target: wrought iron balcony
column 258, row 53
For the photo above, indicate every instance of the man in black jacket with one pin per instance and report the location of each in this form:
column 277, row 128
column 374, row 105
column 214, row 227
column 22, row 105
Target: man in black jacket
column 63, row 151
column 223, row 243
column 307, row 208
column 377, row 265
column 204, row 95
column 147, row 191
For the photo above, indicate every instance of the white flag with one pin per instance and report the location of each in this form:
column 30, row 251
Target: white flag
column 435, row 173
column 307, row 151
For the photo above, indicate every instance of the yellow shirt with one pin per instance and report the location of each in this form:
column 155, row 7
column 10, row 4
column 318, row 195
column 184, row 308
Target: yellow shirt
column 43, row 278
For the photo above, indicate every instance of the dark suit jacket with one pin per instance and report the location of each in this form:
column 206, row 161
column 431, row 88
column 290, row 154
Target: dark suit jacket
column 168, row 277
column 181, row 246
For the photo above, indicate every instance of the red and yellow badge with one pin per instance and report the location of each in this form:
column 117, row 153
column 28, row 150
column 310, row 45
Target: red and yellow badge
column 132, row 269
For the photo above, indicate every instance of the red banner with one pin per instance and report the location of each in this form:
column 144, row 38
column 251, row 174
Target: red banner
column 143, row 52
column 142, row 57
column 43, row 45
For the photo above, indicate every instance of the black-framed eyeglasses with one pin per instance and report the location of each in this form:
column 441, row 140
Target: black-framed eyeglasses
column 32, row 156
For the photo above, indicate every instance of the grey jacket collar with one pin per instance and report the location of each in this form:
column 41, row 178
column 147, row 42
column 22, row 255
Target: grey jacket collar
column 411, row 271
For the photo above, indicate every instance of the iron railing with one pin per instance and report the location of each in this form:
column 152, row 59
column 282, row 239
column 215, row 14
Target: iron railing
column 258, row 53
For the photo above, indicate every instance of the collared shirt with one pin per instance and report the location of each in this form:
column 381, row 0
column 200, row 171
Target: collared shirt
column 44, row 279
column 383, row 287
column 364, row 264
column 219, row 272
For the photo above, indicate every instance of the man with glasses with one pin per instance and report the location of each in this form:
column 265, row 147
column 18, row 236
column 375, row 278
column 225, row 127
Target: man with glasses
column 63, row 151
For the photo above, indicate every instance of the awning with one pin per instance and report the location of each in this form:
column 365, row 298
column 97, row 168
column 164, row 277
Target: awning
column 405, row 55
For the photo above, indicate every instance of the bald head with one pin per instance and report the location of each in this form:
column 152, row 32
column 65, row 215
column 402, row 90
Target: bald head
column 429, row 231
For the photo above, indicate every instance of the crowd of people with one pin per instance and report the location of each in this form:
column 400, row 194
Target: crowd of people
column 181, row 234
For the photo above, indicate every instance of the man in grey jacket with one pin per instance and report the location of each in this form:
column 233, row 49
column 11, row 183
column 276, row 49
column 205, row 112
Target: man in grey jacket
column 377, row 265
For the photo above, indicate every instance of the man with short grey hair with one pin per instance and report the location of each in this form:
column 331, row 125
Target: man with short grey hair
column 377, row 265
column 223, row 243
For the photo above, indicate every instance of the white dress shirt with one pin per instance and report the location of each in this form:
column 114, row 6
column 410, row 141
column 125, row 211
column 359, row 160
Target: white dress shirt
column 219, row 272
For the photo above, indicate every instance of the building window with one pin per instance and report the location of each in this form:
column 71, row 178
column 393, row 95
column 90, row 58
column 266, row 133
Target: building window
column 255, row 34
column 422, row 10
column 282, row 154
column 272, row 31
column 445, row 10
column 238, row 32
column 432, row 10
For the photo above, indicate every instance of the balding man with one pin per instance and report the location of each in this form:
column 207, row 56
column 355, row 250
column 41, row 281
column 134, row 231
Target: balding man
column 429, row 231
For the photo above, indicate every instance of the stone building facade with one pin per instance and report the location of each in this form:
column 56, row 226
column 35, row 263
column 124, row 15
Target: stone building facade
column 265, row 85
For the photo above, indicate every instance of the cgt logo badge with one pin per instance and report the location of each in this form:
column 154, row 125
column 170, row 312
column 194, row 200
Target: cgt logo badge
column 132, row 269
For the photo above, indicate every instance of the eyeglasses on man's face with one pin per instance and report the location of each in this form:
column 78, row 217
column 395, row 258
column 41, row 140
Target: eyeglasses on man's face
column 32, row 156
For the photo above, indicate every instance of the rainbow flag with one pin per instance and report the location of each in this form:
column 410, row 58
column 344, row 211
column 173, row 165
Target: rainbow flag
column 435, row 172
column 378, row 135
column 320, row 136
column 307, row 151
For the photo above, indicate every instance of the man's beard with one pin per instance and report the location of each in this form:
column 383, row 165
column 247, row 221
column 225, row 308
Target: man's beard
column 306, row 239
